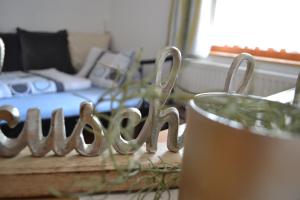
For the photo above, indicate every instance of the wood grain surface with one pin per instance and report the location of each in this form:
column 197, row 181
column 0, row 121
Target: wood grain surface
column 25, row 176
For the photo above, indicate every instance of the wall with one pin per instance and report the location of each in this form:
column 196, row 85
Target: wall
column 52, row 15
column 139, row 24
column 134, row 24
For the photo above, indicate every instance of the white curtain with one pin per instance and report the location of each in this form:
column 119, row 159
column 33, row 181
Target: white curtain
column 190, row 24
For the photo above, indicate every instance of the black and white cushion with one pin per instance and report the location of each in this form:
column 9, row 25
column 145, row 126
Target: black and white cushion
column 110, row 70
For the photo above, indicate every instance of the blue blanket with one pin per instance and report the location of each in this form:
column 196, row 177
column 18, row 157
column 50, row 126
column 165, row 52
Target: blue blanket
column 68, row 101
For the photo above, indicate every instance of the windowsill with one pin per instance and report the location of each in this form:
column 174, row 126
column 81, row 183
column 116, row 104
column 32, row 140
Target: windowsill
column 259, row 58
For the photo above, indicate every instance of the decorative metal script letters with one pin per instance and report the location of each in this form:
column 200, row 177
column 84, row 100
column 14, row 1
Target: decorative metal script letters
column 57, row 141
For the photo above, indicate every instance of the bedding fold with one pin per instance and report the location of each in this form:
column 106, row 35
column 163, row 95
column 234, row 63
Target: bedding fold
column 69, row 82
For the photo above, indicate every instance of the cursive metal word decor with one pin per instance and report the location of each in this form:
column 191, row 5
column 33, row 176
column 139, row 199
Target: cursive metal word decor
column 296, row 100
column 231, row 74
column 1, row 52
column 57, row 141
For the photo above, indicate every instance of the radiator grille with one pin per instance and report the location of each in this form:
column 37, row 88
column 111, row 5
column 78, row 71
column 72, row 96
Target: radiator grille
column 210, row 77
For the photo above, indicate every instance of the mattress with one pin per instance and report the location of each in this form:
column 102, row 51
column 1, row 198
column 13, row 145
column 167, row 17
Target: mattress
column 93, row 95
column 68, row 101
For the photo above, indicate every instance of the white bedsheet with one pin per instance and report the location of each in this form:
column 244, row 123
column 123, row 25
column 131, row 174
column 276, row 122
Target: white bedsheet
column 70, row 82
column 20, row 83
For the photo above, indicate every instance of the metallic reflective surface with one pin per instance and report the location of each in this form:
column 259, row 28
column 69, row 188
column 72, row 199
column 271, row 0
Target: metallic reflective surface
column 223, row 161
column 1, row 53
column 56, row 140
column 158, row 116
column 237, row 61
column 296, row 100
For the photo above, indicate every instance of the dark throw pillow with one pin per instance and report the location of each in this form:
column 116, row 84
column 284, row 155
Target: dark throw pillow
column 12, row 57
column 43, row 50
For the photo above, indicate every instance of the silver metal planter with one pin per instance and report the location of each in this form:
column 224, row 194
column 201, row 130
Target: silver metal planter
column 226, row 159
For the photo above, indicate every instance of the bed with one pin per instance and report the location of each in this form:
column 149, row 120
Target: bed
column 68, row 100
column 56, row 70
column 51, row 89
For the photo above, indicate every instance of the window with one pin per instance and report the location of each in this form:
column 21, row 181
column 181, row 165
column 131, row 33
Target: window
column 268, row 28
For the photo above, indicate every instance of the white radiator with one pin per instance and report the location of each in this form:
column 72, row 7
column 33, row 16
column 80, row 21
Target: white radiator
column 199, row 77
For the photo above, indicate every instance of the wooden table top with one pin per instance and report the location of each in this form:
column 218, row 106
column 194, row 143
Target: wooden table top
column 25, row 176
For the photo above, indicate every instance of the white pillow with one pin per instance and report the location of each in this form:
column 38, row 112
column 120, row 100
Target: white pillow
column 110, row 70
column 91, row 60
column 81, row 43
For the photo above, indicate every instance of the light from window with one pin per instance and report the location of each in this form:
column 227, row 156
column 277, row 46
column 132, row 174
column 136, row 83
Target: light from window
column 264, row 24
